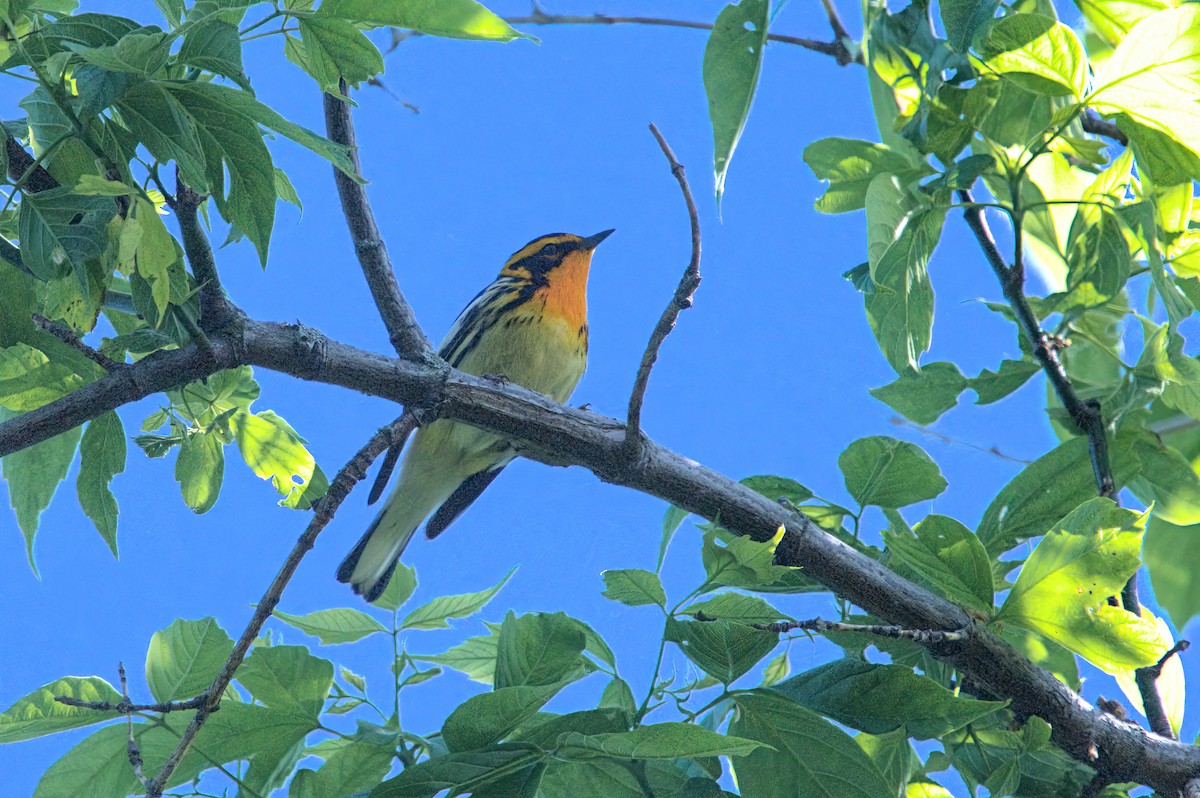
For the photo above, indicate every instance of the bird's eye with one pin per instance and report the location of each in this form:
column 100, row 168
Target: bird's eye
column 550, row 250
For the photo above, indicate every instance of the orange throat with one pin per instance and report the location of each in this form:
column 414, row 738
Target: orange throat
column 565, row 296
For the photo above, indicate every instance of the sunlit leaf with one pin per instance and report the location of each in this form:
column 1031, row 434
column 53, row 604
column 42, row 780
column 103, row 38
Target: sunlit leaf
column 1062, row 590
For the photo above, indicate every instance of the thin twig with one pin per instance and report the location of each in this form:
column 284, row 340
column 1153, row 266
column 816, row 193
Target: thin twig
column 1086, row 414
column 132, row 749
column 1102, row 127
column 835, row 20
column 1152, row 705
column 324, row 510
column 921, row 636
column 65, row 334
column 682, row 300
column 403, row 330
column 125, row 706
column 836, row 49
column 215, row 308
column 992, row 450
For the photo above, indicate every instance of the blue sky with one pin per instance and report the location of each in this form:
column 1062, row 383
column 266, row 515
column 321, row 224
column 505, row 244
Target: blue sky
column 767, row 374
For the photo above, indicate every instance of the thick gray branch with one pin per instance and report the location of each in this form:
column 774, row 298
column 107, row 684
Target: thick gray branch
column 560, row 435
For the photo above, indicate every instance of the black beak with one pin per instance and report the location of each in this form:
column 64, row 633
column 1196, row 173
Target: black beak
column 594, row 241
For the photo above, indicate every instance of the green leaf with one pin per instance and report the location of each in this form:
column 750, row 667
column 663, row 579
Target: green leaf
column 475, row 656
column 1165, row 479
column 962, row 19
column 200, row 469
column 167, row 130
column 1045, row 491
column 245, row 103
column 723, row 649
column 538, row 649
column 1169, row 554
column 901, row 235
column 1039, row 53
column 777, row 669
column 101, row 457
column 618, row 695
column 400, row 588
column 732, row 61
column 850, row 165
column 214, row 46
column 808, row 754
column 96, row 186
column 672, row 519
column 886, row 472
column 992, row 386
column 434, row 615
column 61, row 231
column 737, row 607
column 1062, row 590
column 657, row 741
column 1151, row 77
column 139, row 53
column 1113, row 19
column 354, row 768
column 634, row 586
column 38, row 714
column 274, row 451
column 881, row 698
column 203, row 401
column 1044, row 654
column 341, row 625
column 923, row 397
column 893, row 754
column 777, row 488
column 485, row 719
column 230, row 135
column 334, row 49
column 288, row 679
column 959, row 175
column 456, row 19
column 459, row 772
column 1169, row 683
column 944, row 555
column 29, row 379
column 742, row 562
column 184, row 658
column 33, row 475
column 588, row 722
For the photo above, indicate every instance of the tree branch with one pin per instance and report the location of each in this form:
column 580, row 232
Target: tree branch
column 215, row 308
column 20, row 162
column 1102, row 127
column 1152, row 705
column 339, row 489
column 131, row 748
column 403, row 330
column 561, row 435
column 68, row 337
column 922, row 636
column 681, row 301
column 1085, row 414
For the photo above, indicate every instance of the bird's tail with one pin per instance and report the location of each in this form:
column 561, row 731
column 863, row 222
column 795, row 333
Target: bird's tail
column 370, row 564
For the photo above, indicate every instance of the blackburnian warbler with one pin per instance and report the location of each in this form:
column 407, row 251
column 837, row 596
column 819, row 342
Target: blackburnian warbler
column 529, row 326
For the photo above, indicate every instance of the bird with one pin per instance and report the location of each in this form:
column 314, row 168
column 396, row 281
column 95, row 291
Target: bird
column 529, row 327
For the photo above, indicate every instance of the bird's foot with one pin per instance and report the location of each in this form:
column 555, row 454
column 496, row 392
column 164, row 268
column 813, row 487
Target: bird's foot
column 499, row 379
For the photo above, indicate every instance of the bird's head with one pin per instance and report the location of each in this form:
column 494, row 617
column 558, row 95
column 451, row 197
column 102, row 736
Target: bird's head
column 542, row 257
